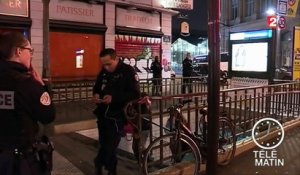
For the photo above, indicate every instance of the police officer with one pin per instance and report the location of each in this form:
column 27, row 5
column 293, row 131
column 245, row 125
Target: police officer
column 24, row 101
column 157, row 75
column 187, row 70
column 116, row 85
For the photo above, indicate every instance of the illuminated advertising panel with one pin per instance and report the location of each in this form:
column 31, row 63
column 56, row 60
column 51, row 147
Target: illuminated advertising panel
column 250, row 54
column 250, row 57
column 296, row 55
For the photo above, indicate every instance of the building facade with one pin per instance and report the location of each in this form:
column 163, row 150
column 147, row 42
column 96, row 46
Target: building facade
column 79, row 30
column 245, row 15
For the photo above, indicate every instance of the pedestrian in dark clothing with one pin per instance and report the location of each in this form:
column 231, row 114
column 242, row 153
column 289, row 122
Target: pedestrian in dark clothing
column 157, row 76
column 187, row 70
column 24, row 101
column 116, row 85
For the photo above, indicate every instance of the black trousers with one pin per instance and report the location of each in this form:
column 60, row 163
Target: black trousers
column 23, row 165
column 156, row 88
column 110, row 132
column 187, row 83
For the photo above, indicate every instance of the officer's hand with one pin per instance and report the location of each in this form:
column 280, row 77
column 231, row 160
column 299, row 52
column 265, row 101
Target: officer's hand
column 107, row 99
column 37, row 76
column 96, row 98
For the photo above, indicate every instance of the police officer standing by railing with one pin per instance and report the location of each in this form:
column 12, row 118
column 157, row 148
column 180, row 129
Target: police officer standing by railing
column 24, row 101
column 187, row 70
column 157, row 76
column 116, row 85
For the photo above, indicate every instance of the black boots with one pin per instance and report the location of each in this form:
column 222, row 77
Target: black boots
column 98, row 171
column 112, row 173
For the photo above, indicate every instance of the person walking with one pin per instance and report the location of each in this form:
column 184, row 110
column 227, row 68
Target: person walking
column 187, row 70
column 157, row 76
column 24, row 102
column 116, row 85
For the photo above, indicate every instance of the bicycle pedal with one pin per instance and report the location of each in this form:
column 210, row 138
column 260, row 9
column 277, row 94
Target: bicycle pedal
column 223, row 141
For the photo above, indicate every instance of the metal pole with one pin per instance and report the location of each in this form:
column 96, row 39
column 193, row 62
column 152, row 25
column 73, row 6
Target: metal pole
column 213, row 84
column 273, row 56
column 46, row 58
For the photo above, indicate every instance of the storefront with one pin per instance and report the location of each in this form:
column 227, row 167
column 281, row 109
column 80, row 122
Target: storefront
column 76, row 37
column 138, row 39
column 14, row 16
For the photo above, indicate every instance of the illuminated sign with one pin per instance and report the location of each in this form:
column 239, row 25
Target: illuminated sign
column 178, row 4
column 272, row 21
column 76, row 11
column 14, row 7
column 138, row 19
column 259, row 34
column 276, row 22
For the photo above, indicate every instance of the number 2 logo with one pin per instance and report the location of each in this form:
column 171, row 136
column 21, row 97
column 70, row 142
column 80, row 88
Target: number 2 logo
column 272, row 21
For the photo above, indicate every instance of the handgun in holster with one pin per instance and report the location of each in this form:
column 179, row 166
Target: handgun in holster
column 43, row 150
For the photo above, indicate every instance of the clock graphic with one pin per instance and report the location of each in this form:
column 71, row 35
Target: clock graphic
column 266, row 124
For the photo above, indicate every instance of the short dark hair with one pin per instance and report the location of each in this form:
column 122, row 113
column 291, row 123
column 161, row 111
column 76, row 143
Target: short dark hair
column 109, row 51
column 9, row 41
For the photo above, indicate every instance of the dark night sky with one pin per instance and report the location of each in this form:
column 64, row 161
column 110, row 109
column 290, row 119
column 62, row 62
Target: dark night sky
column 197, row 19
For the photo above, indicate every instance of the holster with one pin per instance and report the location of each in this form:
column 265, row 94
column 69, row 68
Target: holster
column 43, row 153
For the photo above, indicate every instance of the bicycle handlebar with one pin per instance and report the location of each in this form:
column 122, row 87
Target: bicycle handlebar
column 180, row 105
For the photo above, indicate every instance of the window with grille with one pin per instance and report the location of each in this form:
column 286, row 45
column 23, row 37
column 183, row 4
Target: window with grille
column 249, row 7
column 234, row 9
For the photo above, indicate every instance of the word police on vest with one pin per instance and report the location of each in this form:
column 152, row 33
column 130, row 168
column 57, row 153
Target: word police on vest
column 7, row 100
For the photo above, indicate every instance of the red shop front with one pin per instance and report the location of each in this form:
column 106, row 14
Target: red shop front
column 139, row 52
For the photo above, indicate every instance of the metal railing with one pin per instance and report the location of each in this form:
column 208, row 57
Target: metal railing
column 244, row 106
column 76, row 91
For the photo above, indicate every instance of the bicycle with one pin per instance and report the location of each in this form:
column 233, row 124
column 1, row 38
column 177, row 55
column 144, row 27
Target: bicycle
column 181, row 143
column 227, row 137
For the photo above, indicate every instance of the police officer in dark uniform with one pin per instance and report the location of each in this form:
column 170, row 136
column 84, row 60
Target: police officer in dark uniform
column 157, row 75
column 116, row 85
column 187, row 70
column 24, row 101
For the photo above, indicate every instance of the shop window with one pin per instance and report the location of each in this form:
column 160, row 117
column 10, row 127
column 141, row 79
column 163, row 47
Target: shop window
column 74, row 56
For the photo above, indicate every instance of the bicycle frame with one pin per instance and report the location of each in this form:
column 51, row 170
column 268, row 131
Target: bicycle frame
column 201, row 141
column 181, row 125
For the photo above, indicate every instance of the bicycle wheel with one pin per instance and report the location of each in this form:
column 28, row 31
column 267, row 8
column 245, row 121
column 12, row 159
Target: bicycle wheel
column 226, row 142
column 169, row 150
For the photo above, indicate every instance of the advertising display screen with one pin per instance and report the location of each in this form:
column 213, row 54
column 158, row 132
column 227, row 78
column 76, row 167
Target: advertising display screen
column 250, row 57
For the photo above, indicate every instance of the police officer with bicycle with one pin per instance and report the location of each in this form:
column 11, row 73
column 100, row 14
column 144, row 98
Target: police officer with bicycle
column 116, row 85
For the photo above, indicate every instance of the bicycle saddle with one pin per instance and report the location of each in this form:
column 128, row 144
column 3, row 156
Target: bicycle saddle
column 203, row 111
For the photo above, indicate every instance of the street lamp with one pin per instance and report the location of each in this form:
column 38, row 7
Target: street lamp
column 270, row 11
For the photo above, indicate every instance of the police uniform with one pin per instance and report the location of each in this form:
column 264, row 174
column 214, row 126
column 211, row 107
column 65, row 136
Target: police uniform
column 187, row 70
column 157, row 75
column 23, row 103
column 123, row 86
